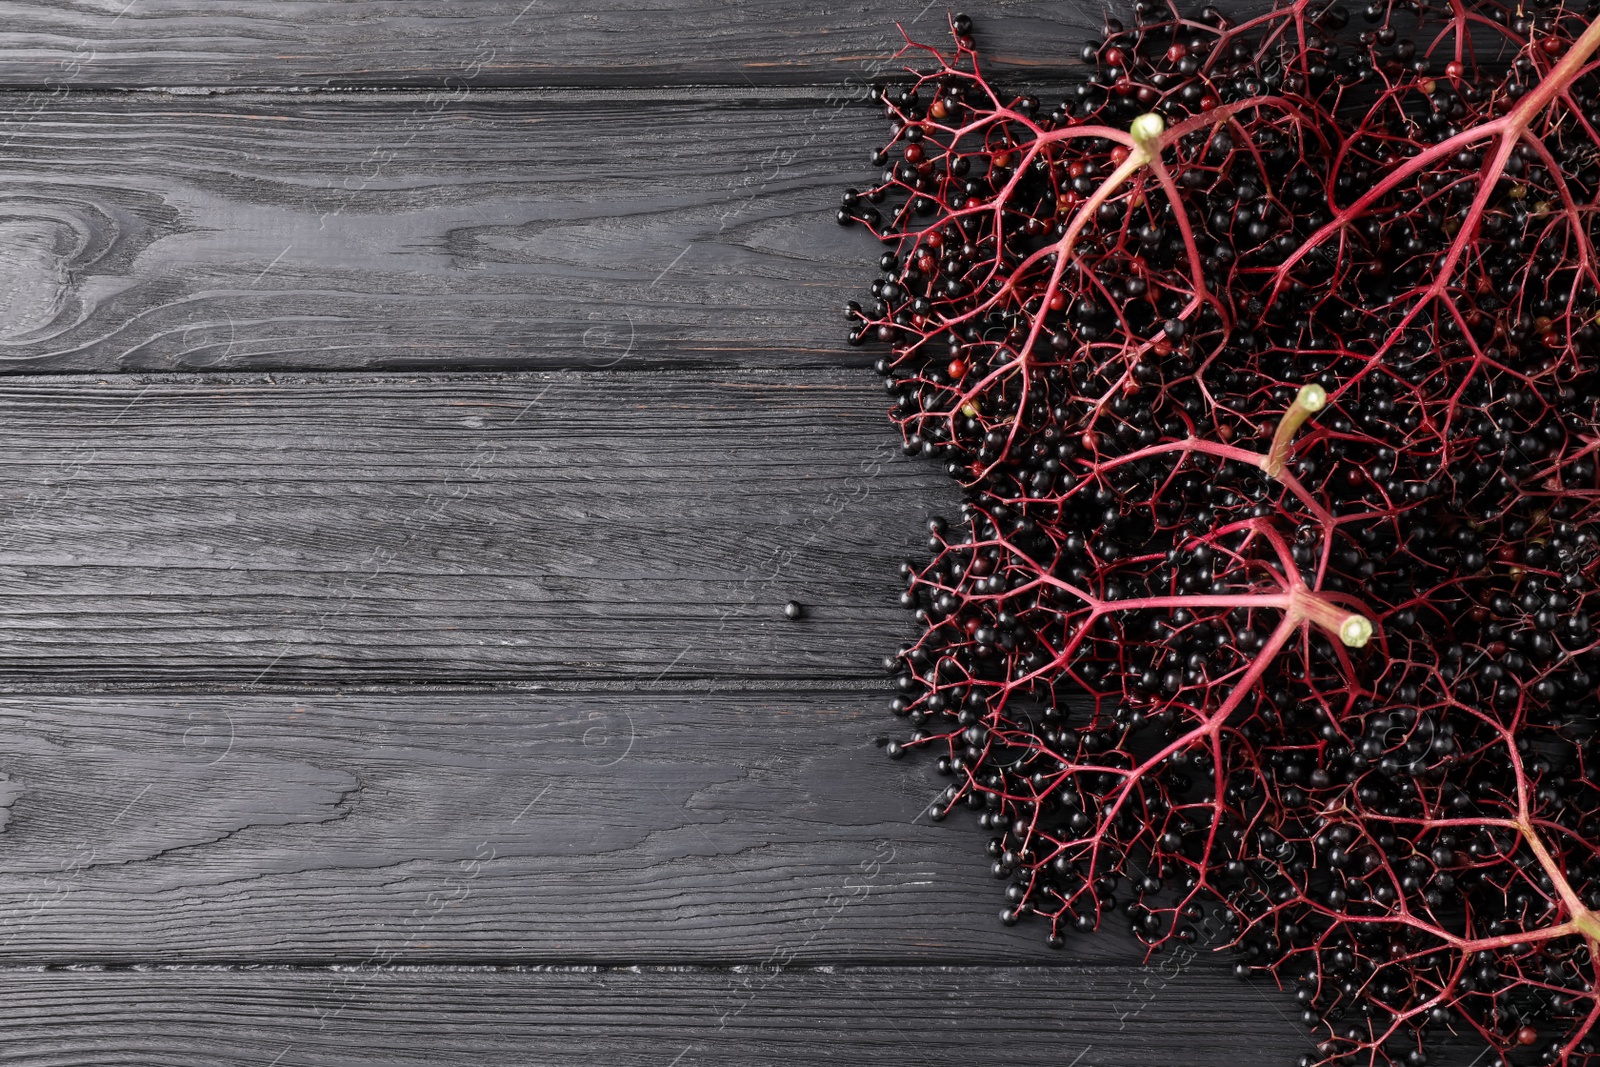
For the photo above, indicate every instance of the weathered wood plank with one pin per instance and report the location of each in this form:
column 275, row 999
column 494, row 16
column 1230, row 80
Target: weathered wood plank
column 488, row 828
column 555, row 528
column 52, row 44
column 1051, row 1017
column 387, row 231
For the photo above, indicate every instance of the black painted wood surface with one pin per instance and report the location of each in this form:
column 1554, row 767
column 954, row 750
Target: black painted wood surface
column 564, row 528
column 416, row 417
column 630, row 827
column 550, row 230
column 50, row 45
column 646, row 1017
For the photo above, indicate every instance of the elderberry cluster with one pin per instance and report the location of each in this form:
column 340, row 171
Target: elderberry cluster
column 1267, row 358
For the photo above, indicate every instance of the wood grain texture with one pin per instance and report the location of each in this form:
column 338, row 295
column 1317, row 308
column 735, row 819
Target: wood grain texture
column 520, row 828
column 534, row 528
column 51, row 44
column 601, row 744
column 514, row 230
column 931, row 1017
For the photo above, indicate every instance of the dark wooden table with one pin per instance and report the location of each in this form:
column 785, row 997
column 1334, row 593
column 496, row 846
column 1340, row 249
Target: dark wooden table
column 416, row 417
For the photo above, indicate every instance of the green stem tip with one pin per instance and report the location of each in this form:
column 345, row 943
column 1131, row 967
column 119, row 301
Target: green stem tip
column 1146, row 130
column 1311, row 399
column 1352, row 628
column 1356, row 631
